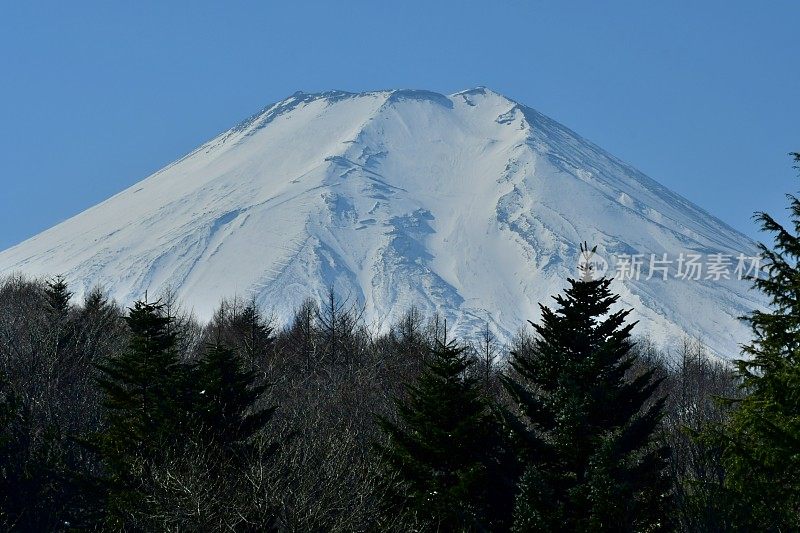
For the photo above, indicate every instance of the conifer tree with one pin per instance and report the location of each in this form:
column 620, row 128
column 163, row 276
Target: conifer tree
column 253, row 332
column 228, row 398
column 228, row 420
column 445, row 449
column 762, row 455
column 145, row 398
column 58, row 296
column 99, row 321
column 585, row 431
column 95, row 302
column 57, row 305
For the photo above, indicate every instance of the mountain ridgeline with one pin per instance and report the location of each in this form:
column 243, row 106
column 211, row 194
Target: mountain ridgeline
column 471, row 206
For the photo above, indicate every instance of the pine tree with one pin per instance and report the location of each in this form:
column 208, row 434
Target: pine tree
column 762, row 455
column 229, row 421
column 98, row 322
column 57, row 296
column 254, row 334
column 57, row 305
column 95, row 302
column 445, row 449
column 585, row 431
column 228, row 398
column 145, row 398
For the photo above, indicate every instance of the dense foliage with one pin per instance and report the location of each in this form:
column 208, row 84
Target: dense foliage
column 145, row 420
column 761, row 441
column 446, row 449
column 585, row 423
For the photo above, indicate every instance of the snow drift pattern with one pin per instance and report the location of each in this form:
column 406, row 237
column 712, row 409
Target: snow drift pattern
column 470, row 205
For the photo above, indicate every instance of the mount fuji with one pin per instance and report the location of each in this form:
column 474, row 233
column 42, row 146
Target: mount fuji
column 470, row 205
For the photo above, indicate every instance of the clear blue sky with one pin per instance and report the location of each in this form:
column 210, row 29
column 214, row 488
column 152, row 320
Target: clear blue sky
column 94, row 96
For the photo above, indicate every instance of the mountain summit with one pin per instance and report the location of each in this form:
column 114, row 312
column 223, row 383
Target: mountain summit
column 470, row 205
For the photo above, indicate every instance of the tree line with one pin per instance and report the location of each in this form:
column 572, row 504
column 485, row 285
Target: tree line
column 143, row 419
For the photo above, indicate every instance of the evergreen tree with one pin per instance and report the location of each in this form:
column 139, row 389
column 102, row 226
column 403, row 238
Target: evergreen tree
column 762, row 455
column 228, row 422
column 57, row 296
column 145, row 398
column 57, row 305
column 585, row 431
column 95, row 303
column 445, row 449
column 228, row 398
column 98, row 323
column 254, row 334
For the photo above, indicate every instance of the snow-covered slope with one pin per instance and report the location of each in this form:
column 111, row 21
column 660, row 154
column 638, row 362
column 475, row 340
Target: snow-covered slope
column 471, row 205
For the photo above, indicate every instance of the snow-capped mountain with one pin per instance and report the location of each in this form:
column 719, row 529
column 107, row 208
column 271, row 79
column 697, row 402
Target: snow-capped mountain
column 471, row 205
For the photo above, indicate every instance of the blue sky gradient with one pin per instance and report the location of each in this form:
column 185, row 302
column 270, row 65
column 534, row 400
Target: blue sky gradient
column 94, row 96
